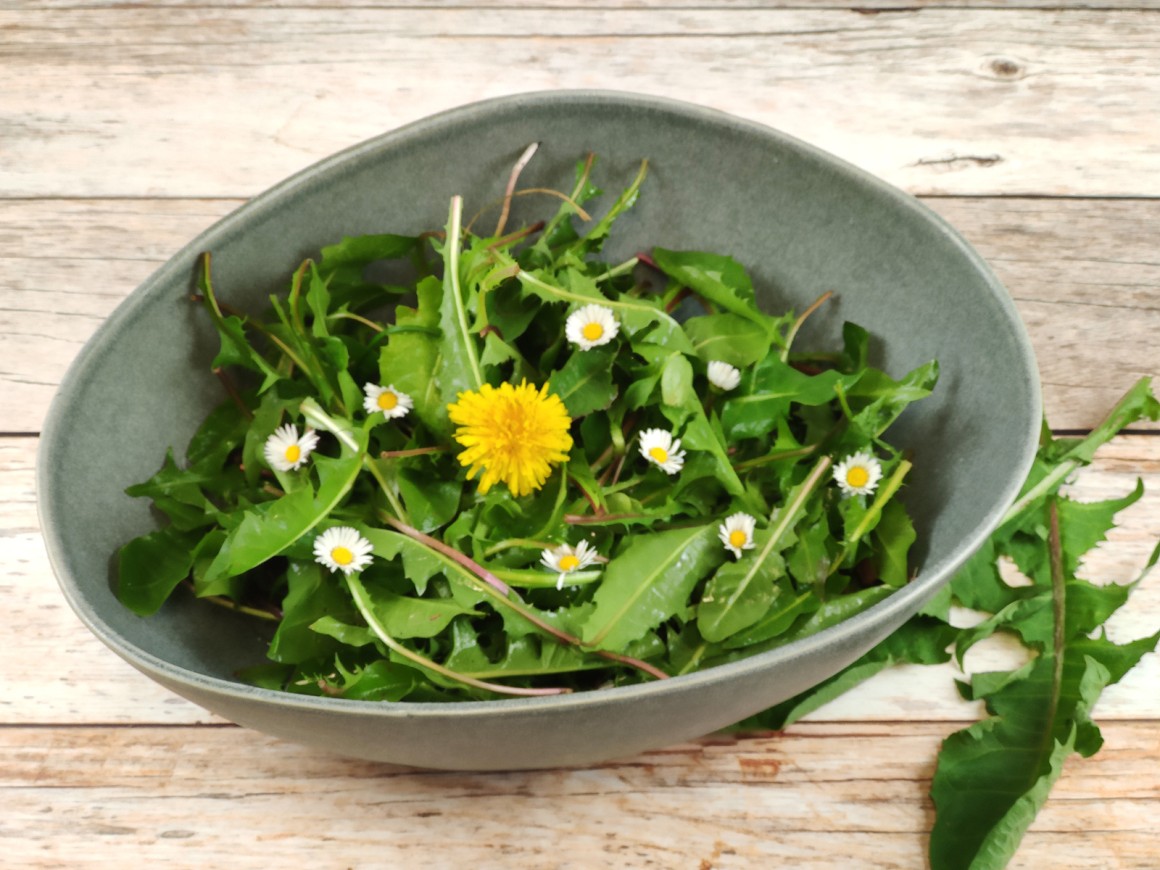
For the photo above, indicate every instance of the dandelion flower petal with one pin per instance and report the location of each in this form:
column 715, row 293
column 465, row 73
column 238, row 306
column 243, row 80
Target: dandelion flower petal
column 511, row 434
column 343, row 549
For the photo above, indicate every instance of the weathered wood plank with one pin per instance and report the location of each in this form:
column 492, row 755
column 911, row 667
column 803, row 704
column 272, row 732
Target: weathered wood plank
column 149, row 796
column 866, row 7
column 964, row 101
column 66, row 676
column 1084, row 274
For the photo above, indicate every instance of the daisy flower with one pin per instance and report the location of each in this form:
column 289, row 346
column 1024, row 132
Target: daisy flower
column 390, row 401
column 591, row 326
column 342, row 549
column 723, row 376
column 566, row 559
column 858, row 474
column 736, row 533
column 658, row 446
column 511, row 434
column 285, row 451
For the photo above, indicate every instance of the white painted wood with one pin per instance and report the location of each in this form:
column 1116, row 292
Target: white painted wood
column 125, row 129
column 817, row 796
column 214, row 101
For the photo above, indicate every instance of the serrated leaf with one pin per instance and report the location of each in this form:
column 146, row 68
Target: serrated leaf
column 584, row 382
column 717, row 278
column 649, row 582
column 738, row 595
column 728, row 338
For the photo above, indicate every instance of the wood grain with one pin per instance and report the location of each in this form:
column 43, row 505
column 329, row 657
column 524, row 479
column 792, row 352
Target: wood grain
column 724, row 802
column 1085, row 276
column 937, row 101
column 65, row 676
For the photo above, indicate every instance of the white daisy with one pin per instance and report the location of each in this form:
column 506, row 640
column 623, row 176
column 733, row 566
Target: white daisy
column 591, row 326
column 566, row 559
column 285, row 451
column 736, row 533
column 388, row 400
column 342, row 549
column 723, row 376
column 658, row 446
column 858, row 474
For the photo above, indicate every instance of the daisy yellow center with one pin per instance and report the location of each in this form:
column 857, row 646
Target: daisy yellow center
column 293, row 453
column 388, row 400
column 659, row 454
column 737, row 538
column 569, row 563
column 857, row 476
column 511, row 434
column 342, row 555
column 592, row 331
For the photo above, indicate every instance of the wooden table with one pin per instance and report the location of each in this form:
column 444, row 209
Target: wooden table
column 126, row 129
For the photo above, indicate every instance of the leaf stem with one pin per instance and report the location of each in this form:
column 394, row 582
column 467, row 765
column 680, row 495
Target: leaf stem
column 232, row 391
column 885, row 493
column 508, row 598
column 414, row 451
column 366, row 607
column 349, row 315
column 386, row 487
column 452, row 277
column 797, row 324
column 525, row 158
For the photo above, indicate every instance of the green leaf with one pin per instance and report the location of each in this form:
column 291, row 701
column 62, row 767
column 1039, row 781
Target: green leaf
column 719, row 279
column 431, row 500
column 267, row 530
column 413, row 355
column 895, row 533
column 310, row 597
column 526, row 656
column 584, row 383
column 366, row 249
column 459, row 368
column 649, row 582
column 407, row 617
column 677, row 383
column 151, row 567
column 729, row 338
column 738, row 595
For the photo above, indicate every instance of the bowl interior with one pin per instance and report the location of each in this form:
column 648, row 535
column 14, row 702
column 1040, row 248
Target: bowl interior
column 799, row 220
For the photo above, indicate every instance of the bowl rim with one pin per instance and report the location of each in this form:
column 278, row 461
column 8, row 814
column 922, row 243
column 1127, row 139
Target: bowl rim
column 903, row 600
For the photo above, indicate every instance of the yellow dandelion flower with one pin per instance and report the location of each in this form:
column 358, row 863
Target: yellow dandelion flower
column 513, row 434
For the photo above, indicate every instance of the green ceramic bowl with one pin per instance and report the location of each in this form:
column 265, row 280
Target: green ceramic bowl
column 800, row 220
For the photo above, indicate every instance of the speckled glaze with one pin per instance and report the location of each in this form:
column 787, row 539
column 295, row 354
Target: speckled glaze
column 802, row 221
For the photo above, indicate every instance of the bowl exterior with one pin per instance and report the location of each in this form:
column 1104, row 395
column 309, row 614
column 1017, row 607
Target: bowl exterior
column 801, row 221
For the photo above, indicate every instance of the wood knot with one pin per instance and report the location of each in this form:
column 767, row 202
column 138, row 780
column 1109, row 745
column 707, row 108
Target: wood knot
column 1004, row 68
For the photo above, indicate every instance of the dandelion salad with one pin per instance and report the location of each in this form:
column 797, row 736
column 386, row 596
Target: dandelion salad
column 524, row 470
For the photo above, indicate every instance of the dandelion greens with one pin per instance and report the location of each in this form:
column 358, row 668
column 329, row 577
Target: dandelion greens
column 525, row 470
